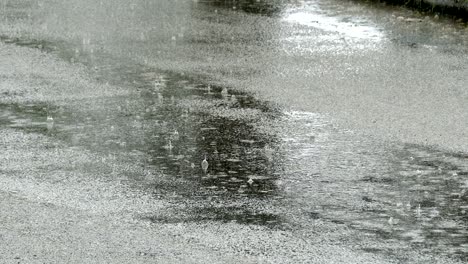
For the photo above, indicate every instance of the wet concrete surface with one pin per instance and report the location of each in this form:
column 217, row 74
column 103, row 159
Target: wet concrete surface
column 268, row 165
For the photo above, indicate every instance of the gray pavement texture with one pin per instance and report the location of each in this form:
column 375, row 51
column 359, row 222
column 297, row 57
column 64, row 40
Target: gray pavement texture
column 361, row 159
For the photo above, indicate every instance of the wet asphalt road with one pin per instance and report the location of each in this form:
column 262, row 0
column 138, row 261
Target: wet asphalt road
column 391, row 72
column 308, row 111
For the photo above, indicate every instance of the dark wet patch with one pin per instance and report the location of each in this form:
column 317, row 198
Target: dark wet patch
column 427, row 197
column 27, row 117
column 314, row 215
column 168, row 124
column 41, row 44
column 459, row 155
column 221, row 214
column 270, row 8
column 455, row 11
column 377, row 179
column 437, row 164
column 406, row 43
column 138, row 129
column 427, row 203
column 337, row 221
column 372, row 250
column 368, row 199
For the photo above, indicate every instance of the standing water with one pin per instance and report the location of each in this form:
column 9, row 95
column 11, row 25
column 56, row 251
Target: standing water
column 217, row 152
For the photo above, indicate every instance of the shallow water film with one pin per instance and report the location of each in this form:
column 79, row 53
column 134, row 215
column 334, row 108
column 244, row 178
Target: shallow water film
column 239, row 127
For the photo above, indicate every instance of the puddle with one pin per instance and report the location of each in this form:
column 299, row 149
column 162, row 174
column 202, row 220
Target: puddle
column 43, row 45
column 430, row 205
column 169, row 124
column 222, row 214
column 270, row 8
column 398, row 191
column 29, row 117
column 258, row 156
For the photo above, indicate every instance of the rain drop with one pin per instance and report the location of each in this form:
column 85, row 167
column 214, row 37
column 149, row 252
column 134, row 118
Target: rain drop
column 418, row 211
column 250, row 181
column 50, row 122
column 169, row 145
column 268, row 152
column 204, row 165
column 175, row 135
column 224, row 92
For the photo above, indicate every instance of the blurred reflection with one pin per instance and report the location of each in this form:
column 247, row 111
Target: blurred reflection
column 169, row 124
column 264, row 7
column 257, row 155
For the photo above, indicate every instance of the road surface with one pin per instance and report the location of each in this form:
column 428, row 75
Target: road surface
column 335, row 132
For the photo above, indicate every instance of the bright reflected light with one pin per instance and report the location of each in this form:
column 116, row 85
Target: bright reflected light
column 333, row 24
column 324, row 31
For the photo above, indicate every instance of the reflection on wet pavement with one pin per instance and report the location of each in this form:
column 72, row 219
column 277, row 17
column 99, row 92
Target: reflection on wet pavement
column 271, row 7
column 399, row 191
column 354, row 29
column 340, row 31
column 169, row 125
column 266, row 166
column 430, row 202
